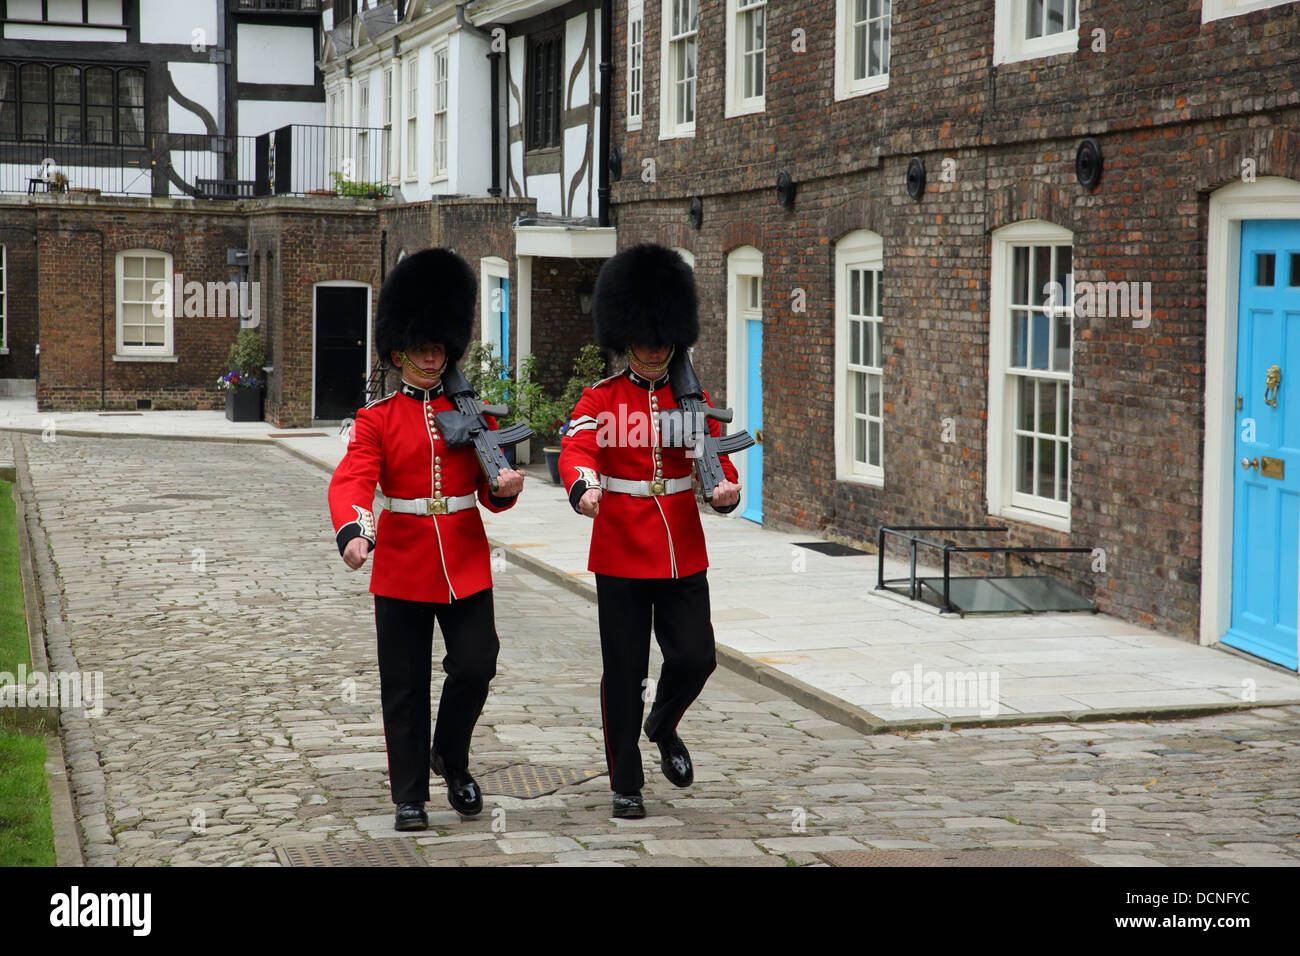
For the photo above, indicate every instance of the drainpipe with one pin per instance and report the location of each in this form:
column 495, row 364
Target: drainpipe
column 494, row 132
column 606, row 85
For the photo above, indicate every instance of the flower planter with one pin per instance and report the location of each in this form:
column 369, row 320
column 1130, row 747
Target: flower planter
column 553, row 462
column 244, row 404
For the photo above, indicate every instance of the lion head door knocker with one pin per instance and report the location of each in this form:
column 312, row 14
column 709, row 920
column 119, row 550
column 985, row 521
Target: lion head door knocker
column 1271, row 381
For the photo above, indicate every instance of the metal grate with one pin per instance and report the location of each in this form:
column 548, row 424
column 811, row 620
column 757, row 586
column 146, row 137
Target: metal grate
column 528, row 780
column 387, row 852
column 950, row 858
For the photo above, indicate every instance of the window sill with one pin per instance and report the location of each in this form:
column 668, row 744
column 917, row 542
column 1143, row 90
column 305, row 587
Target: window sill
column 4, row 351
column 1039, row 518
column 745, row 109
column 866, row 87
column 117, row 357
column 1040, row 49
column 867, row 481
column 678, row 134
column 633, row 125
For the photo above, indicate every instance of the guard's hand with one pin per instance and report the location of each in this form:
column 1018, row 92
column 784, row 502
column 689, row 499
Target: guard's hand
column 509, row 483
column 590, row 502
column 355, row 553
column 725, row 494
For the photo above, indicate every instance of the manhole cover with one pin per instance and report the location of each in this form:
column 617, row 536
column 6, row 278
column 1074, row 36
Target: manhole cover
column 387, row 852
column 528, row 780
column 829, row 548
column 950, row 858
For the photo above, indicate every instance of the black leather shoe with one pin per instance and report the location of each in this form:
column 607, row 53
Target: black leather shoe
column 411, row 816
column 676, row 762
column 462, row 790
column 629, row 806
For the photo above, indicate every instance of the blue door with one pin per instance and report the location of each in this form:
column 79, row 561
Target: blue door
column 1266, row 489
column 753, row 490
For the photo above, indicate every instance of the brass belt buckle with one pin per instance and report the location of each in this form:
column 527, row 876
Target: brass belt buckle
column 657, row 486
column 435, row 506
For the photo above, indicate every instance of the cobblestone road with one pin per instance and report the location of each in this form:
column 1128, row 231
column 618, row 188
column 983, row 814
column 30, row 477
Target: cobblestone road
column 242, row 704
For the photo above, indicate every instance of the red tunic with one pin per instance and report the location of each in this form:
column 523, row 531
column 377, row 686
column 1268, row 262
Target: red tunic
column 396, row 444
column 611, row 434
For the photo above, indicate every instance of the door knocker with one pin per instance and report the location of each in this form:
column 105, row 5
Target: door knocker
column 1271, row 381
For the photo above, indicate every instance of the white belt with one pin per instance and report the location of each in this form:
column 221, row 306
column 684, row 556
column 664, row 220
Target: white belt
column 647, row 489
column 428, row 506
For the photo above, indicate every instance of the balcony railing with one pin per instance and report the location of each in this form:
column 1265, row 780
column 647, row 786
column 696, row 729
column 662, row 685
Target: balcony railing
column 291, row 161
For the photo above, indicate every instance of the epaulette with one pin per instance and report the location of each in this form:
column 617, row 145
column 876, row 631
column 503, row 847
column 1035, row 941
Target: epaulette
column 378, row 400
column 605, row 380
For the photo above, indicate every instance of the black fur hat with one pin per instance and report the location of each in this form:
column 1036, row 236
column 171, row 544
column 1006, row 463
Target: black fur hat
column 430, row 296
column 645, row 295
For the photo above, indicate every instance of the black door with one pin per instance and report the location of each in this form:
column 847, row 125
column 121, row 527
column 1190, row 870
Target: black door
column 341, row 318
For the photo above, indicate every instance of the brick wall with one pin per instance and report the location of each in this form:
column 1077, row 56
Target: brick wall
column 1175, row 105
column 18, row 238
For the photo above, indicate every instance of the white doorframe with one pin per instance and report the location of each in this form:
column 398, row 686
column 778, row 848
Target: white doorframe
column 337, row 283
column 1269, row 197
column 742, row 262
column 524, row 332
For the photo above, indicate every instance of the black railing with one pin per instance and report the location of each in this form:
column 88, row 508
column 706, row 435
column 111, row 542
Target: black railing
column 326, row 160
column 295, row 160
column 164, row 164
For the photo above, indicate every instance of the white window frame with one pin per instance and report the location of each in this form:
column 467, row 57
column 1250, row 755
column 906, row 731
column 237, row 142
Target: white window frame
column 1003, row 500
column 4, row 299
column 863, row 250
column 671, row 125
column 388, row 122
column 737, row 103
column 635, row 63
column 411, row 100
column 363, row 137
column 1010, row 44
column 441, row 90
column 167, row 348
column 846, row 85
column 1219, row 9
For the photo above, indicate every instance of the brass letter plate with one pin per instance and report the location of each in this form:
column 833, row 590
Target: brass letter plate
column 1271, row 467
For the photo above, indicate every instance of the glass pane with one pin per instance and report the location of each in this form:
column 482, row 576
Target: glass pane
column 1042, row 274
column 876, row 330
column 1020, row 275
column 8, row 120
column 1265, row 263
column 1061, row 352
column 133, row 290
column 874, row 9
column 36, row 84
column 855, row 292
column 1062, row 471
column 153, row 335
column 855, row 342
column 1034, row 19
column 35, row 120
column 130, row 88
column 860, row 52
column 1025, row 405
column 873, row 395
column 134, row 313
column 1295, row 269
column 1055, row 16
column 1040, row 341
column 1025, row 465
column 860, row 393
column 130, row 126
column 1019, row 338
column 154, row 267
column 67, row 84
column 1063, row 411
column 860, row 440
column 67, row 124
column 869, row 293
column 1046, row 468
column 873, row 445
column 869, row 355
column 1047, row 408
column 99, row 124
column 884, row 54
column 132, row 266
column 132, row 335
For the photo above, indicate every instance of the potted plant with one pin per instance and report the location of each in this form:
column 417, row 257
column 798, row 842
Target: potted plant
column 243, row 383
column 549, row 417
column 58, row 182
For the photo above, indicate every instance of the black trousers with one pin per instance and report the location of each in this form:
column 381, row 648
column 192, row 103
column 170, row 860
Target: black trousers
column 405, row 641
column 678, row 610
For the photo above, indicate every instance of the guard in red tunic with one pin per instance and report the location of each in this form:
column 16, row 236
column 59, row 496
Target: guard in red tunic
column 647, row 544
column 431, row 552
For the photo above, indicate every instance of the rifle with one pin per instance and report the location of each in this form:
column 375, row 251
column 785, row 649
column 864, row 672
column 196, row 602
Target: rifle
column 687, row 427
column 467, row 426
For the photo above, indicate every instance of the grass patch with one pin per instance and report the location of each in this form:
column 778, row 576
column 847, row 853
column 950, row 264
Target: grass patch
column 26, row 834
column 13, row 622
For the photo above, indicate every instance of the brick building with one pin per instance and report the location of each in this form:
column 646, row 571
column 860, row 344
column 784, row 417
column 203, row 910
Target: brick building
column 906, row 355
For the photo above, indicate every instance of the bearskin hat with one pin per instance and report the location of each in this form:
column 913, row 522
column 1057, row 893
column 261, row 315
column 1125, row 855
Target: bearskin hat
column 645, row 295
column 430, row 296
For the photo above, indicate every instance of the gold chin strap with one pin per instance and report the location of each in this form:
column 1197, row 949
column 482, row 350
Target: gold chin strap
column 421, row 372
column 631, row 357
